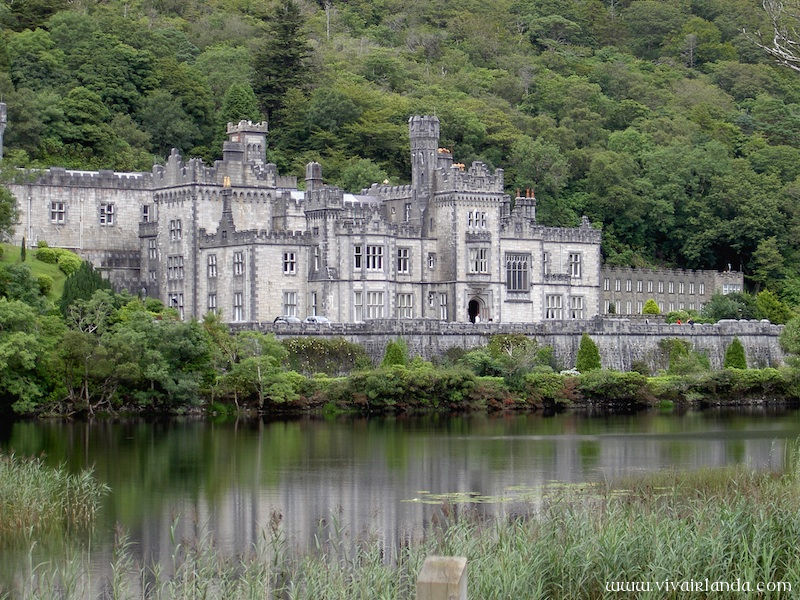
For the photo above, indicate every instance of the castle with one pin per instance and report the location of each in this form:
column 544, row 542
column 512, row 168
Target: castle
column 238, row 239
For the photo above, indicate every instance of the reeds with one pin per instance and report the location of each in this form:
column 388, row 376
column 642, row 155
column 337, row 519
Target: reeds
column 724, row 525
column 37, row 500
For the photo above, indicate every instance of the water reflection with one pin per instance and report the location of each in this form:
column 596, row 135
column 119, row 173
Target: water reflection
column 234, row 477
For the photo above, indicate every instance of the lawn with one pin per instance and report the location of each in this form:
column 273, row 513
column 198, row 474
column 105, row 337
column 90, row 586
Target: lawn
column 11, row 256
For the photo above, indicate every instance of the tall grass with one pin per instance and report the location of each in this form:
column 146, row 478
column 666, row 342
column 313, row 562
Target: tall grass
column 37, row 500
column 720, row 524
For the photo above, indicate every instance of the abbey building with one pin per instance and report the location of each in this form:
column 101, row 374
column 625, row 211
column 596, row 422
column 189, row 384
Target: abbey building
column 239, row 239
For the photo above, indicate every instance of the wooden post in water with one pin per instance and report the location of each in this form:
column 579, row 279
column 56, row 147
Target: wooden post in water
column 443, row 578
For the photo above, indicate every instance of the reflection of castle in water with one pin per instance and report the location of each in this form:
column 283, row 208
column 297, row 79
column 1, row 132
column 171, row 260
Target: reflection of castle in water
column 360, row 473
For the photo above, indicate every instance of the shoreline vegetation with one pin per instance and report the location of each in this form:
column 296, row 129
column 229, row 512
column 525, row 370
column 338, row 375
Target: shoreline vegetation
column 725, row 524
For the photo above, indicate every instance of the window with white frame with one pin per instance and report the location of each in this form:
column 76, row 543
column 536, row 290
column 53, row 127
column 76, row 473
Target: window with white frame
column 146, row 208
column 58, row 212
column 175, row 231
column 290, row 304
column 405, row 306
column 375, row 305
column 313, row 303
column 478, row 260
column 153, row 275
column 639, row 286
column 443, row 306
column 407, row 212
column 575, row 265
column 671, row 306
column 238, row 306
column 576, row 307
column 639, row 307
column 606, row 306
column 606, row 284
column 517, row 274
column 650, row 286
column 554, row 307
column 691, row 288
column 701, row 289
column 238, row 263
column 731, row 288
column 617, row 285
column 358, row 305
column 212, row 266
column 628, row 307
column 680, row 287
column 628, row 285
column 176, row 302
column 431, row 260
column 152, row 249
column 691, row 305
column 660, row 287
column 374, row 258
column 681, row 305
column 175, row 267
column 671, row 287
column 358, row 255
column 212, row 303
column 476, row 218
column 289, row 263
column 107, row 214
column 403, row 260
column 316, row 258
column 545, row 263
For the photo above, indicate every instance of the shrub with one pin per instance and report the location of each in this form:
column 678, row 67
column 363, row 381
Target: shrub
column 396, row 353
column 588, row 355
column 45, row 283
column 2, row 251
column 640, row 366
column 682, row 359
column 335, row 356
column 545, row 388
column 734, row 356
column 651, row 308
column 69, row 263
column 42, row 244
column 614, row 387
column 23, row 250
column 47, row 255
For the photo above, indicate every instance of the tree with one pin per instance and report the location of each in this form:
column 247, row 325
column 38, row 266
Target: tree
column 588, row 355
column 81, row 285
column 734, row 356
column 769, row 306
column 8, row 213
column 785, row 44
column 651, row 308
column 279, row 63
column 790, row 340
column 396, row 354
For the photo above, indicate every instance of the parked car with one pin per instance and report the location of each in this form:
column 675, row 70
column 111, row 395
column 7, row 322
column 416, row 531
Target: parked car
column 287, row 319
column 317, row 320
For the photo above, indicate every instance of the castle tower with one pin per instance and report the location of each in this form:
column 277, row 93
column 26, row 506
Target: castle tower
column 313, row 176
column 424, row 136
column 247, row 140
column 3, row 120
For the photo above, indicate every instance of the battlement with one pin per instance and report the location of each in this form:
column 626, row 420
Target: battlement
column 59, row 176
column 325, row 197
column 477, row 178
column 423, row 126
column 247, row 127
column 243, row 238
column 388, row 192
column 633, row 272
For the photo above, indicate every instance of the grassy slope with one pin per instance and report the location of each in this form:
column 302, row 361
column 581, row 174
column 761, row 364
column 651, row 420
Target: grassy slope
column 11, row 256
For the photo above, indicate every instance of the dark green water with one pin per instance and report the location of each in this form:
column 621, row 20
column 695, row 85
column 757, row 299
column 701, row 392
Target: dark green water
column 371, row 475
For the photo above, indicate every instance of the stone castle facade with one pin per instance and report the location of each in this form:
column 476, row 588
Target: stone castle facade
column 241, row 240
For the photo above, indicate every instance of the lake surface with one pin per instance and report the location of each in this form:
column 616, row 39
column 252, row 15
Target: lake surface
column 373, row 476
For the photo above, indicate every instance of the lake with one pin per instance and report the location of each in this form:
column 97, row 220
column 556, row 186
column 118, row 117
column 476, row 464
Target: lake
column 382, row 477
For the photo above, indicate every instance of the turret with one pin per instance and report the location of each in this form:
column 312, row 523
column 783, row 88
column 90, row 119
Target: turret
column 247, row 141
column 3, row 120
column 313, row 176
column 424, row 137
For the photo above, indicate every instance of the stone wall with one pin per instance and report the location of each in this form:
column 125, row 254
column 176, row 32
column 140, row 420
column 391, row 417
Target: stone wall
column 620, row 341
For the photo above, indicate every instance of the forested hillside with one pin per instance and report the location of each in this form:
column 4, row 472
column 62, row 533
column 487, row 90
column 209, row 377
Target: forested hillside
column 659, row 119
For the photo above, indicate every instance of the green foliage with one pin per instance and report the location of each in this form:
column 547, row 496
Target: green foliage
column 396, row 353
column 68, row 262
column 790, row 340
column 729, row 306
column 335, row 356
column 614, row 387
column 546, row 389
column 81, row 284
column 734, row 355
column 23, row 250
column 45, row 283
column 588, row 358
column 47, row 255
column 681, row 358
column 8, row 212
column 651, row 308
column 769, row 306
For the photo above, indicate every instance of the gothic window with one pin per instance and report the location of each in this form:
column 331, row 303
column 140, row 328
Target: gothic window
column 546, row 263
column 212, row 303
column 639, row 307
column 639, row 286
column 407, row 212
column 374, row 305
column 554, row 307
column 316, row 258
column 517, row 276
column 176, row 302
column 660, row 287
column 290, row 304
column 606, row 284
column 152, row 249
column 212, row 266
column 405, row 306
column 431, row 260
column 58, row 212
column 289, row 263
column 238, row 263
column 702, row 288
column 357, row 256
column 238, row 306
column 575, row 266
column 313, row 303
column 106, row 214
column 374, row 258
column 628, row 285
column 617, row 285
column 576, row 307
column 650, row 286
column 478, row 260
column 628, row 307
column 403, row 259
column 175, row 267
column 443, row 307
column 691, row 288
column 153, row 275
column 358, row 306
column 671, row 287
column 175, row 232
column 680, row 287
column 146, row 213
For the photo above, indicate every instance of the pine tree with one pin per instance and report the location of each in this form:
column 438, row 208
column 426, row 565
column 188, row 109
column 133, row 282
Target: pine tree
column 280, row 63
column 651, row 308
column 588, row 355
column 81, row 285
column 734, row 356
column 396, row 354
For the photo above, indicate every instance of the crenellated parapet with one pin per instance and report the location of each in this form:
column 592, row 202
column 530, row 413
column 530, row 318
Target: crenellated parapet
column 61, row 177
column 263, row 237
column 478, row 178
column 388, row 192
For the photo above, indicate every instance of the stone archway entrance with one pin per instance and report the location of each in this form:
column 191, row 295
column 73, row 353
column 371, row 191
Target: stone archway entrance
column 476, row 310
